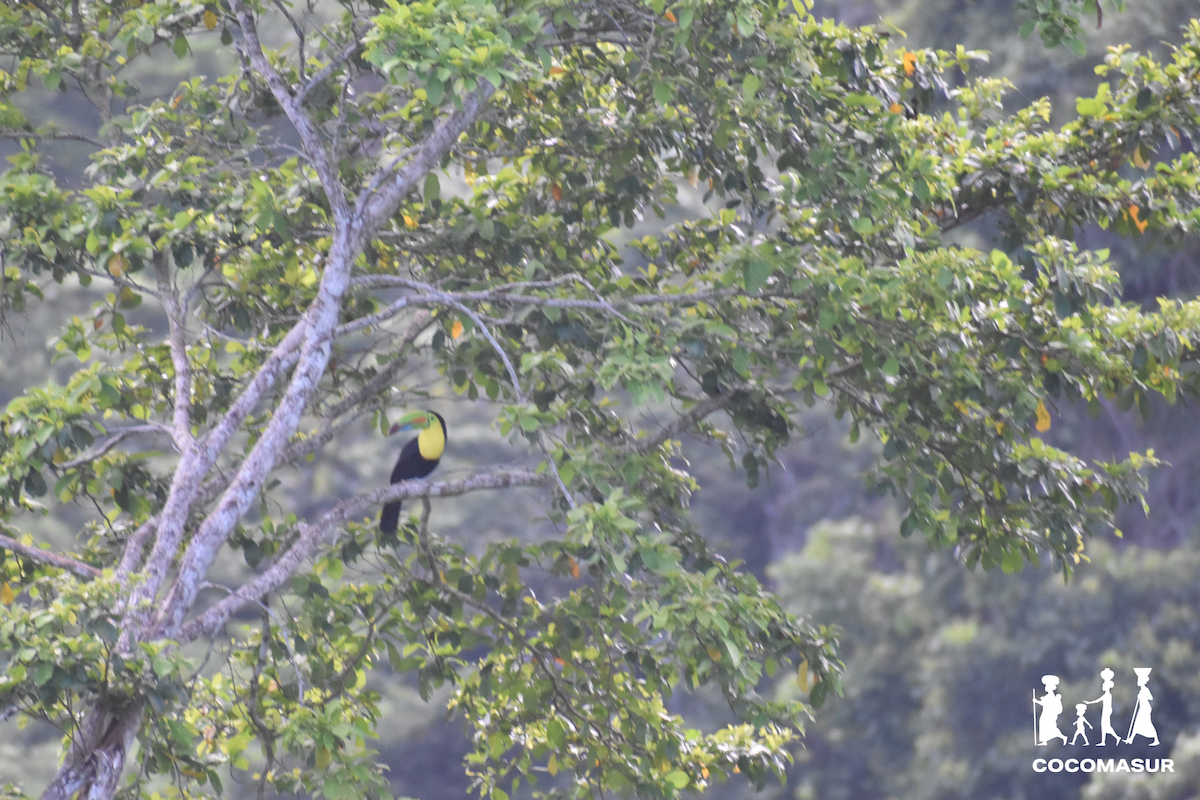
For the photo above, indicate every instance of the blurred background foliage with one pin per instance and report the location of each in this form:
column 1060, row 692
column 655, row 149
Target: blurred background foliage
column 940, row 662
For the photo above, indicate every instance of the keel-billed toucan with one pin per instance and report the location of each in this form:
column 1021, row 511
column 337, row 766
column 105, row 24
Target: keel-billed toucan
column 418, row 458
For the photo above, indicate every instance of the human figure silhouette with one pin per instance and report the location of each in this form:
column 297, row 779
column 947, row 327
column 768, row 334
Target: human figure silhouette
column 1080, row 722
column 1141, row 724
column 1051, row 703
column 1106, row 709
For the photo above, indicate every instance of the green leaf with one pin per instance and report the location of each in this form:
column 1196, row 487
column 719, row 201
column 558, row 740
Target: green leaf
column 677, row 778
column 433, row 187
column 663, row 92
column 756, row 273
column 750, row 86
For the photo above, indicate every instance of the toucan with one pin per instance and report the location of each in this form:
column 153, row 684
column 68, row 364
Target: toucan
column 417, row 459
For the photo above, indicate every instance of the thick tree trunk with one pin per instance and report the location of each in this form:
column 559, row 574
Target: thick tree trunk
column 96, row 759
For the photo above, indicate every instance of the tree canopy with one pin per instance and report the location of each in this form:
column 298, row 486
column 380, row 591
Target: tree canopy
column 453, row 186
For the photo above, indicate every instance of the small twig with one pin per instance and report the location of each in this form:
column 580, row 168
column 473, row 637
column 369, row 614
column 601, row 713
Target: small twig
column 299, row 34
column 686, row 420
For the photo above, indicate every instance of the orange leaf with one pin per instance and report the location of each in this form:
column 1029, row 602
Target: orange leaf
column 1140, row 223
column 895, row 108
column 559, row 661
column 409, row 222
column 1043, row 417
column 574, row 567
column 557, row 71
column 456, row 329
column 556, row 192
column 910, row 62
column 669, row 17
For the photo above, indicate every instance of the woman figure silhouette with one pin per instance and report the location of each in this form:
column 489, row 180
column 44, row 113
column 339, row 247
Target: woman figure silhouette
column 1051, row 703
column 1141, row 724
column 1106, row 709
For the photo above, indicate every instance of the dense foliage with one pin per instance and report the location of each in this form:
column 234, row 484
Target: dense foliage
column 456, row 175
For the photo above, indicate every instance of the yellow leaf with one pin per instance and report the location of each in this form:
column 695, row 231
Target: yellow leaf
column 456, row 329
column 802, row 676
column 6, row 594
column 210, row 19
column 714, row 653
column 552, row 765
column 694, row 176
column 1043, row 417
column 409, row 222
column 117, row 265
column 1139, row 159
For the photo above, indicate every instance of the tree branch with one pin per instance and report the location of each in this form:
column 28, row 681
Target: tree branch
column 121, row 435
column 62, row 135
column 46, row 557
column 313, row 535
column 327, row 70
column 182, row 418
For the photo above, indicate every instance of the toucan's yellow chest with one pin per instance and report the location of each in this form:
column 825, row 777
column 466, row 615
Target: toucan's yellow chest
column 431, row 442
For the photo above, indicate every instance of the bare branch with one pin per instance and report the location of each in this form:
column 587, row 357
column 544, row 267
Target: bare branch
column 61, row 135
column 182, row 419
column 131, row 559
column 312, row 536
column 314, row 147
column 299, row 34
column 121, row 435
column 327, row 70
column 46, row 557
column 383, row 195
column 196, row 463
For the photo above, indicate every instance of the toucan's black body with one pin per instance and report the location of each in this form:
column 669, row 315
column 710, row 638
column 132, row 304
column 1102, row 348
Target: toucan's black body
column 411, row 464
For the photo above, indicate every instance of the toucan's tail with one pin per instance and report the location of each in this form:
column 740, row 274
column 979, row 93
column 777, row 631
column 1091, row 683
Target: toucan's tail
column 390, row 518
